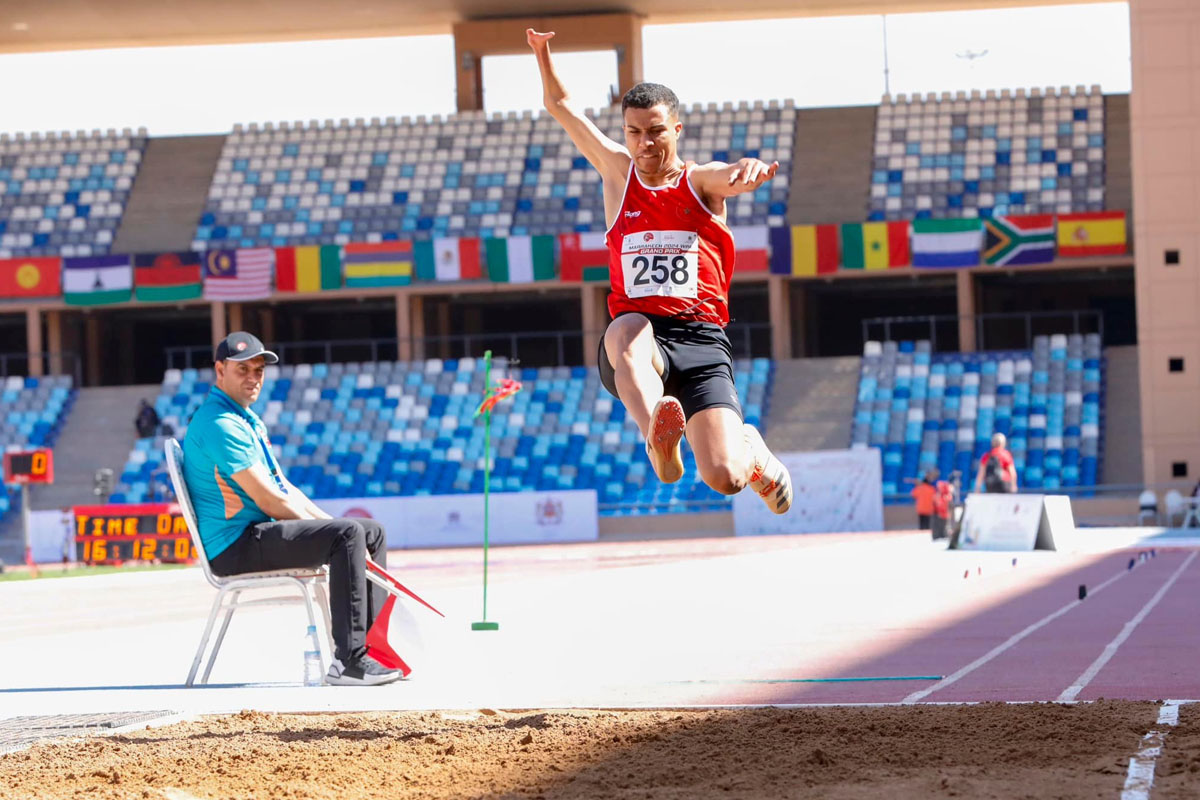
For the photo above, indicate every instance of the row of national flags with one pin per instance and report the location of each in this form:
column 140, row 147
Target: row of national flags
column 804, row 250
column 801, row 250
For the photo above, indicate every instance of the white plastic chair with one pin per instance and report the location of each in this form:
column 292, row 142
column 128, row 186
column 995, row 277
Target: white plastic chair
column 1147, row 507
column 304, row 581
column 1175, row 506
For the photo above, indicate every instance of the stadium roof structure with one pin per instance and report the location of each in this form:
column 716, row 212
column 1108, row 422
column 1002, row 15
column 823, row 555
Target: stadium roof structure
column 46, row 25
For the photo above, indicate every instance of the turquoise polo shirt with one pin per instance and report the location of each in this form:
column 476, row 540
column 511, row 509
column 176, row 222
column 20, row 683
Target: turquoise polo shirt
column 222, row 439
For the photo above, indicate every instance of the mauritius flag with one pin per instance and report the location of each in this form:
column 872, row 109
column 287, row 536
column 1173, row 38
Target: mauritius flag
column 167, row 277
column 1025, row 239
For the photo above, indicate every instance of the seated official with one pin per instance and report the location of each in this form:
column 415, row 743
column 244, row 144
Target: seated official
column 252, row 519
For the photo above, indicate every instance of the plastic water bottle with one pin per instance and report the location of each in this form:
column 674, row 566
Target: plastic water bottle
column 312, row 658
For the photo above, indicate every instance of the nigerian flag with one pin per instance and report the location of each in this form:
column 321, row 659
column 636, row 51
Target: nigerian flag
column 520, row 259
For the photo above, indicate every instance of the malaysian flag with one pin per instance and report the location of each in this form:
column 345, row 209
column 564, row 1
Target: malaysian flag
column 232, row 275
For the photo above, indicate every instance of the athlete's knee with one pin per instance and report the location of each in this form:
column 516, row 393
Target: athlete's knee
column 725, row 477
column 621, row 339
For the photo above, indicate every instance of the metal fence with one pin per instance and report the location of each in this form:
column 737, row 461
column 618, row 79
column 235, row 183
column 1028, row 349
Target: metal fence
column 993, row 331
column 12, row 364
column 529, row 348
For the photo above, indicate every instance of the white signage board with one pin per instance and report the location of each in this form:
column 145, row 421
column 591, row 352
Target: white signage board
column 1013, row 521
column 456, row 520
column 51, row 533
column 836, row 491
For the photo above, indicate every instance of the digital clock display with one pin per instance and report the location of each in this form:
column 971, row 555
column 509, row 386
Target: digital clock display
column 146, row 532
column 31, row 466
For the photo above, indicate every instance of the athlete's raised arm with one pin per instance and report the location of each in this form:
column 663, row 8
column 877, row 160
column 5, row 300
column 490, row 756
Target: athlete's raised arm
column 717, row 179
column 610, row 158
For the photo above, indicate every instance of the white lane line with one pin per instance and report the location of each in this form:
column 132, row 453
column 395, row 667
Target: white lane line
column 1139, row 779
column 921, row 694
column 1072, row 691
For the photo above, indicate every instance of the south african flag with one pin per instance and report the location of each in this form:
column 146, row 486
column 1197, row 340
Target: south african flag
column 1025, row 239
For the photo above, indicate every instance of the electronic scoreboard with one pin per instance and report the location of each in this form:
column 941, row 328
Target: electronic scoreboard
column 132, row 532
column 30, row 466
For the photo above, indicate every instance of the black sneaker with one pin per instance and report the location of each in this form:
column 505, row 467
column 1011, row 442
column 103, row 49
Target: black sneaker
column 360, row 671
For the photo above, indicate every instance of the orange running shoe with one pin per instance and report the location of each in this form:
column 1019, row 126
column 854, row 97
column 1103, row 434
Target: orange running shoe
column 667, row 426
column 770, row 479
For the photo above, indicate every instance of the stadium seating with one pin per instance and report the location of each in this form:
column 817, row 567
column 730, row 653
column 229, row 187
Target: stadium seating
column 373, row 429
column 34, row 410
column 465, row 175
column 926, row 410
column 979, row 156
column 64, row 194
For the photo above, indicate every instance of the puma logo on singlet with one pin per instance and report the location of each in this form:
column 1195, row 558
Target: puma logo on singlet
column 632, row 214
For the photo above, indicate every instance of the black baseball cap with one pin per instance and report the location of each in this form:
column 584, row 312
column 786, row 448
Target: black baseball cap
column 242, row 346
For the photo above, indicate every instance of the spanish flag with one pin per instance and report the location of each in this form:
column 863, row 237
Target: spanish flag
column 31, row 277
column 311, row 268
column 1098, row 233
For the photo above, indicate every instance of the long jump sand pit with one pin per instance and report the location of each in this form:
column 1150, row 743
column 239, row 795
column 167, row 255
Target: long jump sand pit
column 976, row 751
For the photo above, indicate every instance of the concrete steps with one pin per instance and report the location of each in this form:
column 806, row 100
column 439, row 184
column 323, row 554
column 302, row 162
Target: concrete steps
column 169, row 194
column 99, row 433
column 812, row 404
column 831, row 165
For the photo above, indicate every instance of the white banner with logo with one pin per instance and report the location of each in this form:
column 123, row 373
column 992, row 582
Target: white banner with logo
column 51, row 533
column 1001, row 522
column 456, row 520
column 836, row 491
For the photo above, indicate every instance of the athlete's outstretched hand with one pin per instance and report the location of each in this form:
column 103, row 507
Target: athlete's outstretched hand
column 749, row 173
column 536, row 40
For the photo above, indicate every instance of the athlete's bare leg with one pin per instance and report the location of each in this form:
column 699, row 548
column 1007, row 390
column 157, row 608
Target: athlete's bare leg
column 638, row 368
column 731, row 455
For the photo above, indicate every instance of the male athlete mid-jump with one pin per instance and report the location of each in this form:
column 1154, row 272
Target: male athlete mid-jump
column 665, row 354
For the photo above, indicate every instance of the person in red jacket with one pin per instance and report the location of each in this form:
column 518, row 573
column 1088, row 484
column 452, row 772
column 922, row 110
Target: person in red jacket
column 997, row 470
column 665, row 354
column 943, row 502
column 922, row 495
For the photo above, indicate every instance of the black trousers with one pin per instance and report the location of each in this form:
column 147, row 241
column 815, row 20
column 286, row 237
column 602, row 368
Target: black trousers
column 343, row 544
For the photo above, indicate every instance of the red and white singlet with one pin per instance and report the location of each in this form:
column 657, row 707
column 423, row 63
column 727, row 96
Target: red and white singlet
column 668, row 254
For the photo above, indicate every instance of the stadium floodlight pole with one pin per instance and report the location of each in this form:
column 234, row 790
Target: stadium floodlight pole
column 887, row 83
column 491, row 395
column 25, row 524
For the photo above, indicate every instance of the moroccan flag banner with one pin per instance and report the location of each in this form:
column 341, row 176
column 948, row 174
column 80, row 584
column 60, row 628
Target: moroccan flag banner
column 311, row 268
column 751, row 243
column 1098, row 233
column 875, row 245
column 97, row 280
column 236, row 275
column 946, row 242
column 584, row 257
column 31, row 277
column 1027, row 239
column 166, row 277
column 448, row 259
column 520, row 259
column 803, row 250
column 371, row 265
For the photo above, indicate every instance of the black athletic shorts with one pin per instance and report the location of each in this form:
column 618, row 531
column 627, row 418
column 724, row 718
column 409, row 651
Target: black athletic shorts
column 697, row 360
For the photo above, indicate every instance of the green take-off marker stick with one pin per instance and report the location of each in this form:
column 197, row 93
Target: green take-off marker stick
column 491, row 396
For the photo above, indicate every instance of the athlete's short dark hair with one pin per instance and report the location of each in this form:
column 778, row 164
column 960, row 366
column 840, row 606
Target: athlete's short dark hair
column 649, row 95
